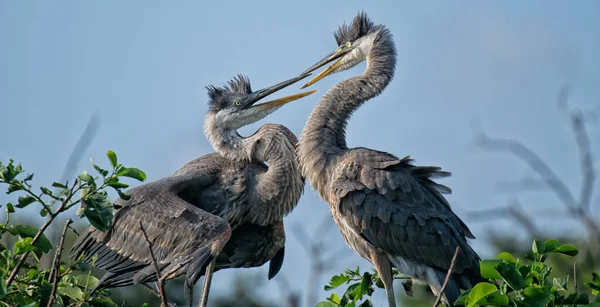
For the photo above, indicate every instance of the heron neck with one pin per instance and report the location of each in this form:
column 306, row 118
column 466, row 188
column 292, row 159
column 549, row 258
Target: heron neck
column 323, row 139
column 277, row 190
column 280, row 187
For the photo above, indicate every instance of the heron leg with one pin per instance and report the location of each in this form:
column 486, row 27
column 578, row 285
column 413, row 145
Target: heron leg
column 384, row 268
column 207, row 280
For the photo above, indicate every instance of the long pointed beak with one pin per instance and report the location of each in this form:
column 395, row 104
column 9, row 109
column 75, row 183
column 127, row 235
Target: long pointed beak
column 277, row 103
column 251, row 99
column 338, row 54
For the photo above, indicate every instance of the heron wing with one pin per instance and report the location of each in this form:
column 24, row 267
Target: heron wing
column 253, row 245
column 181, row 235
column 397, row 208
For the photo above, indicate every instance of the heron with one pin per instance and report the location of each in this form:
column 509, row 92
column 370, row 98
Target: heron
column 222, row 210
column 389, row 210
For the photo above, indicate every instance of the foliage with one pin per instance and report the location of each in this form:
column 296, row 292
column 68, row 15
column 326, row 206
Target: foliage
column 513, row 283
column 359, row 286
column 510, row 283
column 22, row 281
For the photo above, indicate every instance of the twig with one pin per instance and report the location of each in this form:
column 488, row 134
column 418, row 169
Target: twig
column 151, row 290
column 38, row 235
column 55, row 271
column 575, row 276
column 534, row 161
column 439, row 297
column 159, row 282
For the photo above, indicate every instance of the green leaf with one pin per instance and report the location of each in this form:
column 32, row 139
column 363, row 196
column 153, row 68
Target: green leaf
column 366, row 303
column 86, row 281
column 132, row 172
column 117, row 185
column 365, row 285
column 507, row 256
column 488, row 268
column 510, row 275
column 102, row 302
column 535, row 296
column 334, row 298
column 595, row 283
column 573, row 299
column 336, row 281
column 25, row 201
column 13, row 188
column 45, row 291
column 326, row 304
column 46, row 191
column 551, row 245
column 43, row 245
column 87, row 178
column 70, row 291
column 480, row 291
column 10, row 208
column 59, row 185
column 463, row 298
column 538, row 247
column 23, row 245
column 123, row 195
column 569, row 250
column 100, row 170
column 112, row 157
column 98, row 211
column 496, row 299
column 2, row 287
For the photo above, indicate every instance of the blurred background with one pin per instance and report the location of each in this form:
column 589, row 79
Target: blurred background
column 505, row 95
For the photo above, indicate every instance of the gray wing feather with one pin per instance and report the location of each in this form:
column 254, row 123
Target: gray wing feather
column 178, row 231
column 253, row 245
column 398, row 209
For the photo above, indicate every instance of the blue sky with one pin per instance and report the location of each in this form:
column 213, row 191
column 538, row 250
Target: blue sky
column 143, row 66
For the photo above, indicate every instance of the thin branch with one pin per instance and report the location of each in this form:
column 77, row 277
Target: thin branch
column 55, row 271
column 159, row 282
column 151, row 290
column 575, row 275
column 39, row 234
column 534, row 161
column 439, row 297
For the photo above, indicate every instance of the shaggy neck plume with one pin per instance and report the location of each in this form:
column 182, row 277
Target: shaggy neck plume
column 323, row 139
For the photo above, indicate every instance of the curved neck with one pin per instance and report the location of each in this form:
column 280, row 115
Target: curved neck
column 323, row 139
column 277, row 190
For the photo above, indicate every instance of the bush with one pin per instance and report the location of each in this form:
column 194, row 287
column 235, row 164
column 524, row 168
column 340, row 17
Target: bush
column 22, row 281
column 510, row 283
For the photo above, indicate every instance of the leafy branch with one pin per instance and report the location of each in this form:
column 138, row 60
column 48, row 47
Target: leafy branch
column 87, row 191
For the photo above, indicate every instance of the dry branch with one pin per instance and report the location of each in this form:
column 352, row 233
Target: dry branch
column 439, row 296
column 55, row 271
column 159, row 280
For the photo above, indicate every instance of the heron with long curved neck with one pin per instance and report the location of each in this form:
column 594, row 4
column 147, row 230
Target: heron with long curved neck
column 222, row 210
column 389, row 210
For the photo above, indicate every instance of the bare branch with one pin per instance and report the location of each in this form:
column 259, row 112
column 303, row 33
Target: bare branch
column 575, row 275
column 534, row 161
column 515, row 212
column 151, row 290
column 55, row 271
column 159, row 280
column 439, row 297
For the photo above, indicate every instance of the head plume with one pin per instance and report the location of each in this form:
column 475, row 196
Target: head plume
column 240, row 84
column 360, row 26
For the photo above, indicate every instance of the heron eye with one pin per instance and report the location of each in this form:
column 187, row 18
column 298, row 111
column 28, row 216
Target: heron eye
column 237, row 103
column 348, row 44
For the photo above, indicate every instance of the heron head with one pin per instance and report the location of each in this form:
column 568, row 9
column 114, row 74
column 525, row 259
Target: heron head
column 354, row 44
column 233, row 105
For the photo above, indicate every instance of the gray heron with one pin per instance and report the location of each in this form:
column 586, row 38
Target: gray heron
column 389, row 210
column 222, row 210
